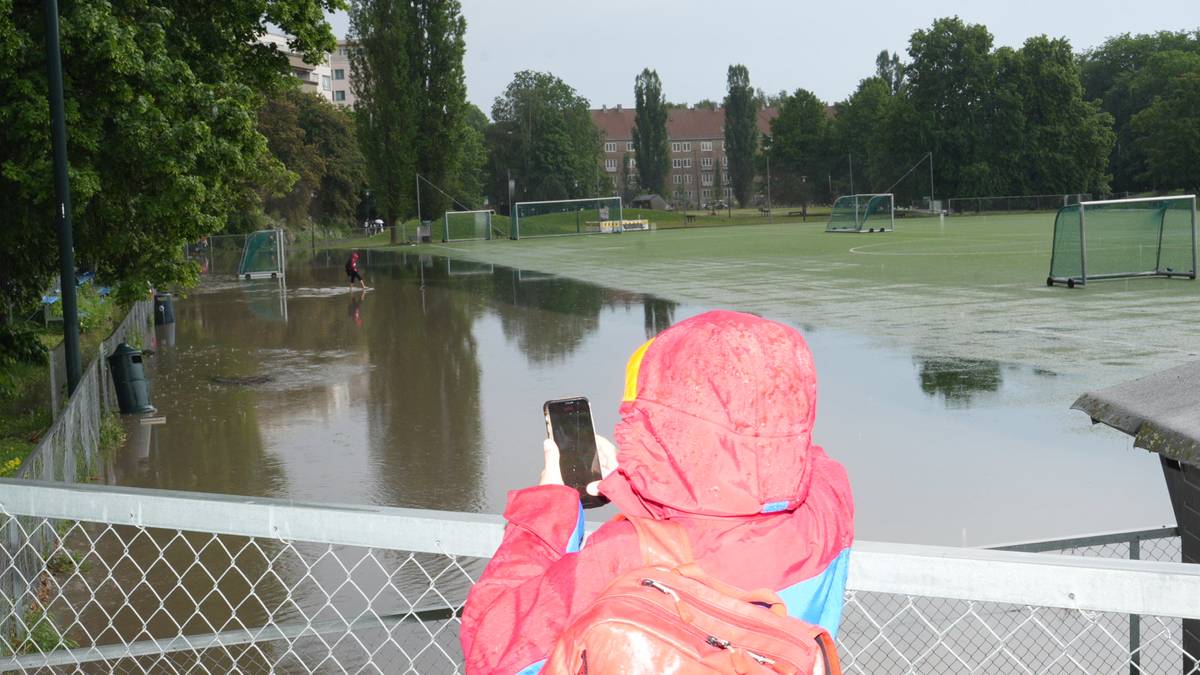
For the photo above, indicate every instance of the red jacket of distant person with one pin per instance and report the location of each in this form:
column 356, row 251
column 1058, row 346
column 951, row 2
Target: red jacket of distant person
column 715, row 434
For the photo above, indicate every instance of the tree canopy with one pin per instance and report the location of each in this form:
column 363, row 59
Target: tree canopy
column 741, row 131
column 650, row 133
column 544, row 135
column 163, row 139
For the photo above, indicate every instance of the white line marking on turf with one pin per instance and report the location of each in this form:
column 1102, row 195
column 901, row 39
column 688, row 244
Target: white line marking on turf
column 451, row 248
column 1077, row 336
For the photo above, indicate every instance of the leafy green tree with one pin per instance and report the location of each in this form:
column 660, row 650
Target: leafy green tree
column 862, row 130
column 650, row 133
column 890, row 70
column 1126, row 74
column 627, row 180
column 1065, row 140
column 951, row 76
column 799, row 145
column 1168, row 130
column 741, row 131
column 331, row 131
column 468, row 177
column 279, row 122
column 163, row 139
column 411, row 99
column 718, row 187
column 544, row 135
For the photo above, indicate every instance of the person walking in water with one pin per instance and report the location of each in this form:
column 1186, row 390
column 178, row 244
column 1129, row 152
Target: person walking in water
column 352, row 271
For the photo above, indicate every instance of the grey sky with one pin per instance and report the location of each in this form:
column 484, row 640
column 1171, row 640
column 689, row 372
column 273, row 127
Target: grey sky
column 599, row 47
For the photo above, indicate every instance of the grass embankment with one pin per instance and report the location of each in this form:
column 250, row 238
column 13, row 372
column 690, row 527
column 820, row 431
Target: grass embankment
column 25, row 413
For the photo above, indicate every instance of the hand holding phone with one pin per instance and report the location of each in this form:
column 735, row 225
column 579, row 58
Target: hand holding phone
column 569, row 425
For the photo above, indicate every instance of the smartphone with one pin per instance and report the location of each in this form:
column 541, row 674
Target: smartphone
column 569, row 423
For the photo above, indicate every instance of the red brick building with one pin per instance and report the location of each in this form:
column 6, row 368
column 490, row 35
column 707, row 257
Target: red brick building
column 697, row 149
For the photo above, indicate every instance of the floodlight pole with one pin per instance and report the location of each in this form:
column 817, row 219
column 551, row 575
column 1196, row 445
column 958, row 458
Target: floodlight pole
column 62, row 193
column 418, row 182
column 931, row 181
column 851, row 156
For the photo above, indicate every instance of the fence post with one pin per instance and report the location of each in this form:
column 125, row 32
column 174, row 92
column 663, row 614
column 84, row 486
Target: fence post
column 1135, row 621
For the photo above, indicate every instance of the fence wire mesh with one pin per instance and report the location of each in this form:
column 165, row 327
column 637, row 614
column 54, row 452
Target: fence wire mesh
column 94, row 596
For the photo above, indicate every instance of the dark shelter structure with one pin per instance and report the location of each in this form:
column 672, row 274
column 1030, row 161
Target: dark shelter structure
column 1162, row 413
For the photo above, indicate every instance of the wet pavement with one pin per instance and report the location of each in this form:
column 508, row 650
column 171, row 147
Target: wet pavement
column 426, row 391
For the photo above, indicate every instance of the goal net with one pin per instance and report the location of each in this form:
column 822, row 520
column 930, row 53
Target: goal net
column 1148, row 237
column 466, row 225
column 862, row 213
column 567, row 216
column 262, row 255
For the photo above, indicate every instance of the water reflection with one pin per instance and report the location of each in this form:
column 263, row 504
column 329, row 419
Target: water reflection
column 956, row 381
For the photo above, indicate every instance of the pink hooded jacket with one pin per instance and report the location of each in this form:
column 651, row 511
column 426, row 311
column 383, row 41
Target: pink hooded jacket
column 715, row 434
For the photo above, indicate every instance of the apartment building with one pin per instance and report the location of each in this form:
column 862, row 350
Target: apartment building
column 342, row 73
column 314, row 79
column 697, row 149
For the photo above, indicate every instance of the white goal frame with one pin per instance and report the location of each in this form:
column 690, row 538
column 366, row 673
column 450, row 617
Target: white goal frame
column 515, row 229
column 446, row 223
column 891, row 221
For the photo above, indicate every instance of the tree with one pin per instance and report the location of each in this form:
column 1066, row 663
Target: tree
column 1126, row 74
column 1168, row 131
column 279, row 122
column 799, row 144
column 163, row 140
column 951, row 77
column 718, row 187
column 468, row 177
column 626, row 179
column 1066, row 140
column 741, row 131
column 890, row 71
column 650, row 133
column 544, row 135
column 411, row 98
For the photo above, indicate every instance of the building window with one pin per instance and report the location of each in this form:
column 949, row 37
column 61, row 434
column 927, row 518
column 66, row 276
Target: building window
column 339, row 95
column 706, row 162
column 610, row 147
column 341, row 51
column 705, row 146
column 681, row 146
column 706, row 194
column 629, row 146
column 725, row 162
column 729, row 193
column 610, row 165
column 687, row 146
column 725, row 176
column 688, row 178
column 339, row 74
column 722, row 146
column 676, row 163
column 677, row 147
column 325, row 84
column 632, row 163
column 706, row 179
column 677, row 179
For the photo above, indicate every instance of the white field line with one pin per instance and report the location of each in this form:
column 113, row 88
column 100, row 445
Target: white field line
column 1088, row 338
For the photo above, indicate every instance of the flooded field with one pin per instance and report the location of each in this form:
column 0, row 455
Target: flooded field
column 426, row 391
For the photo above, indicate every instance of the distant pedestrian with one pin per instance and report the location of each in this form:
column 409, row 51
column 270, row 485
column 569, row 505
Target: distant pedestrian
column 352, row 271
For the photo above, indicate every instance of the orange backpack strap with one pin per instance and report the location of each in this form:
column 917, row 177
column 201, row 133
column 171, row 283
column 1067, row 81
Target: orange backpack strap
column 664, row 543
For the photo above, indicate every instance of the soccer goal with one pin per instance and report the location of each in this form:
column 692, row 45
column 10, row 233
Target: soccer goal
column 862, row 213
column 566, row 216
column 467, row 225
column 262, row 255
column 1148, row 237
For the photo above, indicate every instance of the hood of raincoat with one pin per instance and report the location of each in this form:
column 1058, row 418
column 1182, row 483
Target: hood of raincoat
column 716, row 420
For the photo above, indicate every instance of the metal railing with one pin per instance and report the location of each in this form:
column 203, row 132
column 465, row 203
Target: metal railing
column 133, row 580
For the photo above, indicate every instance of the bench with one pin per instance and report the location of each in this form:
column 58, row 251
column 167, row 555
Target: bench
column 689, row 218
column 764, row 210
column 797, row 213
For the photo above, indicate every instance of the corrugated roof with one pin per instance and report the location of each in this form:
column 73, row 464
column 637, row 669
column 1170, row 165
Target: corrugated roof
column 682, row 123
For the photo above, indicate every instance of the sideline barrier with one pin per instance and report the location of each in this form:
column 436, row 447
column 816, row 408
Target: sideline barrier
column 154, row 581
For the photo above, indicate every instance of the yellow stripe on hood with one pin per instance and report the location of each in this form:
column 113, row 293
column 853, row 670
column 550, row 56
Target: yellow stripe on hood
column 631, row 371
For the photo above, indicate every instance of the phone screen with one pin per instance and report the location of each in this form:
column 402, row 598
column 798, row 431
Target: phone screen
column 569, row 423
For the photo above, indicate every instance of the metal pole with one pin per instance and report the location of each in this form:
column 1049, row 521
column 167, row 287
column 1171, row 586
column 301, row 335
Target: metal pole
column 419, row 221
column 851, row 156
column 931, row 180
column 1135, row 621
column 769, row 218
column 1194, row 270
column 62, row 193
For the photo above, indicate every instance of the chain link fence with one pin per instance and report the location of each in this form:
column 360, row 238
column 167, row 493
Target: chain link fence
column 100, row 579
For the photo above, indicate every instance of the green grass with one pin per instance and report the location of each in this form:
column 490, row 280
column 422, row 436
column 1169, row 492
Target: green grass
column 968, row 287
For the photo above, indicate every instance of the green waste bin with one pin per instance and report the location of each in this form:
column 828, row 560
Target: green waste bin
column 164, row 312
column 129, row 379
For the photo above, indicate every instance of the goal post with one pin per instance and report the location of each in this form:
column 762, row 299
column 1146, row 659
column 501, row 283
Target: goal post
column 566, row 216
column 467, row 225
column 262, row 255
column 863, row 213
column 1118, row 238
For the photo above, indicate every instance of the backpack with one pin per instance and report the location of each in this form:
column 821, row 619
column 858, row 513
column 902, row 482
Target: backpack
column 671, row 617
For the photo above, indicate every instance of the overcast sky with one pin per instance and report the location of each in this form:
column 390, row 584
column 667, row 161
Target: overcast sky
column 598, row 47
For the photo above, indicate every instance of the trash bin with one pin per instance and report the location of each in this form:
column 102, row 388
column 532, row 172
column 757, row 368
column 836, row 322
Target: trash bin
column 129, row 379
column 164, row 312
column 423, row 231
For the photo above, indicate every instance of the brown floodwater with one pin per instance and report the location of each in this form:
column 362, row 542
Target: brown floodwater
column 427, row 391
